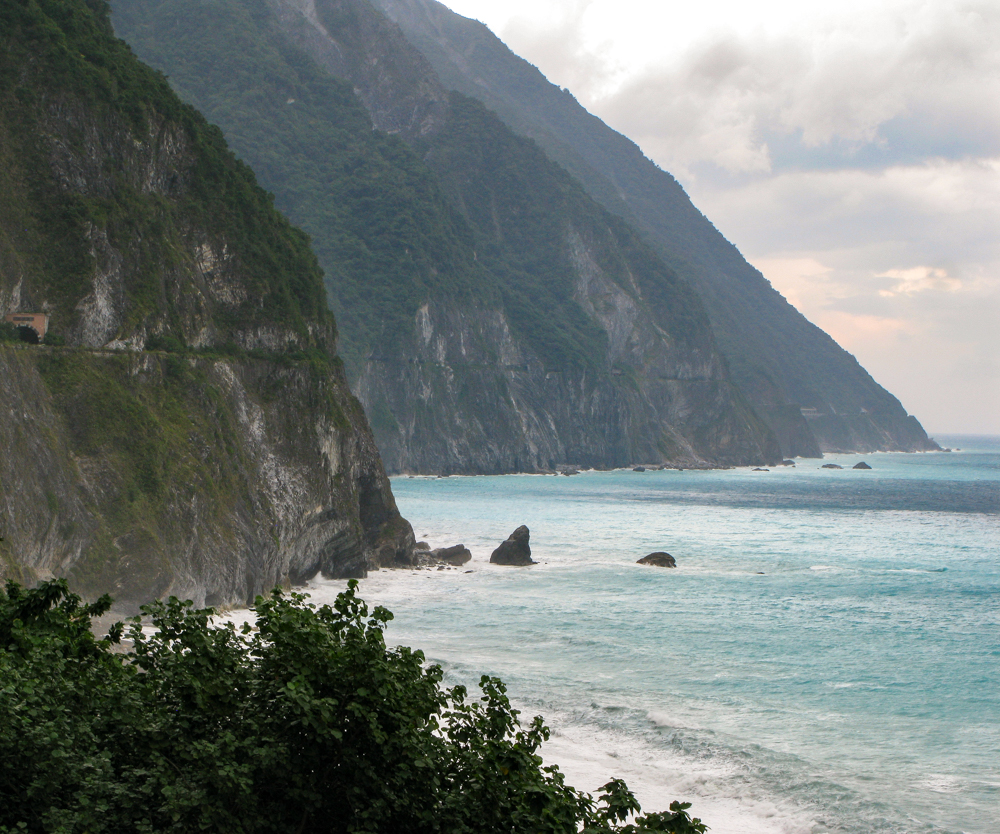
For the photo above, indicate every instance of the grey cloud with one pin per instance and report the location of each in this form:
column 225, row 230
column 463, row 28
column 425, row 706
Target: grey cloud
column 869, row 149
column 833, row 100
column 561, row 49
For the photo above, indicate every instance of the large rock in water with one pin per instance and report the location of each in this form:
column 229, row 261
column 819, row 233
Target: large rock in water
column 861, row 465
column 659, row 560
column 457, row 554
column 515, row 550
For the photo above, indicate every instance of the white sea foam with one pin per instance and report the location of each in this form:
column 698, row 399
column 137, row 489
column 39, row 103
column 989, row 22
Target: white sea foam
column 852, row 688
column 940, row 783
column 589, row 759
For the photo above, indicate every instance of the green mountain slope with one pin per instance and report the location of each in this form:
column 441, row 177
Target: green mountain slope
column 187, row 428
column 381, row 228
column 505, row 321
column 780, row 360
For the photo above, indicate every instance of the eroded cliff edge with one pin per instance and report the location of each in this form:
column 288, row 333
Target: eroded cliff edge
column 189, row 429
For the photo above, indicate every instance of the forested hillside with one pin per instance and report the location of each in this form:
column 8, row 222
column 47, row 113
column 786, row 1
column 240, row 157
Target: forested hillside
column 186, row 427
column 781, row 362
column 495, row 318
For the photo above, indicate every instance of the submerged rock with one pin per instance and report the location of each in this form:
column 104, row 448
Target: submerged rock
column 659, row 560
column 831, row 466
column 861, row 465
column 515, row 550
column 760, row 469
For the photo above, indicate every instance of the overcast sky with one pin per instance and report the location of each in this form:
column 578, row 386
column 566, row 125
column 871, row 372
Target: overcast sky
column 850, row 150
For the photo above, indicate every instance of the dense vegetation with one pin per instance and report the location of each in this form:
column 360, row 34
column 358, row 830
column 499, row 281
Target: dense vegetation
column 469, row 211
column 522, row 207
column 779, row 359
column 305, row 723
column 65, row 77
column 387, row 238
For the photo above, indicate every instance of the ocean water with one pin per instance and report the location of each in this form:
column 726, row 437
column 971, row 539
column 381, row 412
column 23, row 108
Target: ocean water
column 824, row 658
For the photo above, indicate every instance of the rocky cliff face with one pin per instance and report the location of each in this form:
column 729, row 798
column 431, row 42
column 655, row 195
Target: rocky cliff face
column 190, row 430
column 525, row 326
column 351, row 40
column 466, row 396
column 146, row 474
column 782, row 363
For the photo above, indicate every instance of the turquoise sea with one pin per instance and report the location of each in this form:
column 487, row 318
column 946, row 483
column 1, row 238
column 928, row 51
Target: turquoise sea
column 824, row 658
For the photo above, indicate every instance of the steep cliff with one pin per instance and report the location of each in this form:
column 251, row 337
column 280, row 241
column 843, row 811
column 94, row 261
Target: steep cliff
column 783, row 364
column 188, row 427
column 512, row 324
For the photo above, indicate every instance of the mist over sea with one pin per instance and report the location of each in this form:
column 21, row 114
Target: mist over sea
column 824, row 658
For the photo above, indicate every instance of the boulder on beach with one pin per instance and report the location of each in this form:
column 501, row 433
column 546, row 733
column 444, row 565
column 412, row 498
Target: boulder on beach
column 456, row 555
column 638, row 468
column 831, row 466
column 514, row 551
column 861, row 465
column 658, row 560
column 788, row 463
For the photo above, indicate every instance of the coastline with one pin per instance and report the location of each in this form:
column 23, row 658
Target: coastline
column 763, row 658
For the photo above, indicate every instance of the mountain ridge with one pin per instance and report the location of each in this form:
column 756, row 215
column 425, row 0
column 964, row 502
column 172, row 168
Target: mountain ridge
column 503, row 364
column 783, row 363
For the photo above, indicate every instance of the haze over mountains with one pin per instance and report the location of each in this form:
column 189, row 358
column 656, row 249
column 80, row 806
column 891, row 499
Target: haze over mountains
column 776, row 356
column 498, row 252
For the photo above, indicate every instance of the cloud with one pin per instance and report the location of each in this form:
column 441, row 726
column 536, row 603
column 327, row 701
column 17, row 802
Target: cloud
column 850, row 151
column 901, row 266
column 940, row 214
column 561, row 36
column 918, row 279
column 879, row 86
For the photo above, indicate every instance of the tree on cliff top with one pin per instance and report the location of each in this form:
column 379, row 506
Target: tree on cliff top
column 306, row 723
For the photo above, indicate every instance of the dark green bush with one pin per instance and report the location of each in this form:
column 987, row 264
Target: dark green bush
column 308, row 723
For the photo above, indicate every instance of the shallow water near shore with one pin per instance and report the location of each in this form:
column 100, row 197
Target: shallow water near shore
column 824, row 658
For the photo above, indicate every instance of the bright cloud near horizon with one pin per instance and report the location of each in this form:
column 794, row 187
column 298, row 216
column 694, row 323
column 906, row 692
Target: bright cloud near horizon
column 851, row 151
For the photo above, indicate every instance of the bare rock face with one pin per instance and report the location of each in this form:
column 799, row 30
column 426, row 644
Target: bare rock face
column 196, row 436
column 525, row 417
column 227, row 492
column 515, row 550
column 658, row 560
column 456, row 555
column 860, row 416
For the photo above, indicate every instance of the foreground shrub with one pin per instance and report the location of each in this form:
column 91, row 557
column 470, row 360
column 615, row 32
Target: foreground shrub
column 306, row 723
